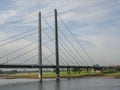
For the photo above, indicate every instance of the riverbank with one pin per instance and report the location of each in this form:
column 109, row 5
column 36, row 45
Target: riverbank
column 62, row 75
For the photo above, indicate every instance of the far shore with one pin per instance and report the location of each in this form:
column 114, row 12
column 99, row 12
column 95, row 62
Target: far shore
column 51, row 76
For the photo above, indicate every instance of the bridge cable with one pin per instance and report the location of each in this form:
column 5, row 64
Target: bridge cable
column 52, row 52
column 60, row 43
column 47, row 23
column 48, row 42
column 77, row 40
column 19, row 48
column 73, row 47
column 45, row 58
column 20, row 55
column 17, row 39
column 17, row 35
column 25, row 53
column 19, row 20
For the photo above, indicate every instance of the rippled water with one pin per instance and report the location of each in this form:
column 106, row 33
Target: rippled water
column 63, row 84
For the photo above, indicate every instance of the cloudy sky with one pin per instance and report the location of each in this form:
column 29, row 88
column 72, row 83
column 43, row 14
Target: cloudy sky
column 95, row 23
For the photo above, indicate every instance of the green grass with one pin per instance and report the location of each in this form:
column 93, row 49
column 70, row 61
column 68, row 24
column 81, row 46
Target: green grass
column 63, row 74
column 115, row 74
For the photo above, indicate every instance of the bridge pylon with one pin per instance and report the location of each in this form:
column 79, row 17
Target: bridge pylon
column 40, row 45
column 57, row 47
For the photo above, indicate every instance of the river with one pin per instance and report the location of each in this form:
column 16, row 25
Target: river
column 63, row 84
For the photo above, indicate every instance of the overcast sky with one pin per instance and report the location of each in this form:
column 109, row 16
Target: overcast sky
column 95, row 23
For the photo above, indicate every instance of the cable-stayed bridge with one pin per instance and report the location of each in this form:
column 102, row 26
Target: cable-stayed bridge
column 49, row 47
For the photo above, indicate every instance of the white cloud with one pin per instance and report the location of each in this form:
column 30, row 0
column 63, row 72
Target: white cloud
column 4, row 15
column 91, row 12
column 24, row 3
column 103, row 49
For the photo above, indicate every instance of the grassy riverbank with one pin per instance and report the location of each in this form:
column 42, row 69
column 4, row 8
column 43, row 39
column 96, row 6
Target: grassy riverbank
column 63, row 75
column 112, row 74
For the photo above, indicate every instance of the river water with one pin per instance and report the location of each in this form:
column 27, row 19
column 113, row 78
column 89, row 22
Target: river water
column 63, row 84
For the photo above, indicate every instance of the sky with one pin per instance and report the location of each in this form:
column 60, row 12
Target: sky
column 95, row 23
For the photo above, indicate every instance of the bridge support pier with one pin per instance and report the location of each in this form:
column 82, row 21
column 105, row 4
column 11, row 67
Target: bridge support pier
column 79, row 70
column 87, row 71
column 68, row 73
column 95, row 71
column 102, row 70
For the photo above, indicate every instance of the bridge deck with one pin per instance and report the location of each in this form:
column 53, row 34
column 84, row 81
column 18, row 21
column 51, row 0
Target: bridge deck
column 51, row 66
